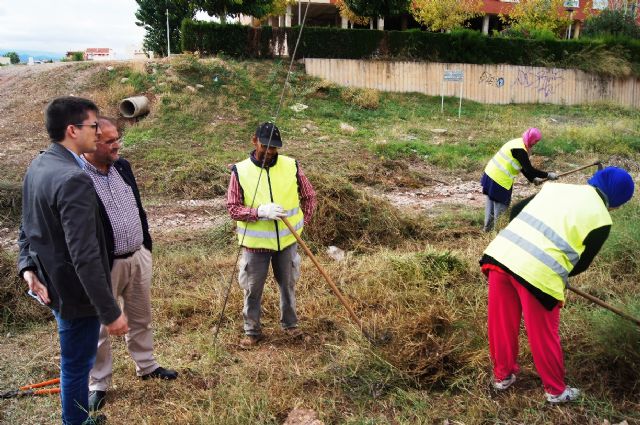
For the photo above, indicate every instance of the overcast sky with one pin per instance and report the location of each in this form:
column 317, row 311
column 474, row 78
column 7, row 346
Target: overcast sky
column 63, row 25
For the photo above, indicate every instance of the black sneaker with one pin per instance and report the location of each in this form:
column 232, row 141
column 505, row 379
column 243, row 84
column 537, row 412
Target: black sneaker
column 161, row 373
column 97, row 400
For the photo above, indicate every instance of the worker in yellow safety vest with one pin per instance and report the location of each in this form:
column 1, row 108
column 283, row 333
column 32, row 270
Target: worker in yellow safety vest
column 264, row 188
column 552, row 235
column 502, row 169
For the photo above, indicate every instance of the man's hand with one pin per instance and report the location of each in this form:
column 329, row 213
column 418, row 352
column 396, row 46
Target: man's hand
column 36, row 286
column 119, row 327
column 552, row 176
column 271, row 211
column 538, row 181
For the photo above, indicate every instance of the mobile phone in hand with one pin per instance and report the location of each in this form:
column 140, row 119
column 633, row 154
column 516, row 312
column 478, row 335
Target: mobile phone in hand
column 35, row 296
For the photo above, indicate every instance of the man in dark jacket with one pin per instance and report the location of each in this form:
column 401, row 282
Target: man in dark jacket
column 63, row 256
column 129, row 247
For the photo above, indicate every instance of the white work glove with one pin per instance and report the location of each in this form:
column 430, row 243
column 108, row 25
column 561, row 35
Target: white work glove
column 552, row 176
column 538, row 181
column 271, row 211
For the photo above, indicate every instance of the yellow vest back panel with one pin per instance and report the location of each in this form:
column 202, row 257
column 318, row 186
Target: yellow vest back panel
column 545, row 241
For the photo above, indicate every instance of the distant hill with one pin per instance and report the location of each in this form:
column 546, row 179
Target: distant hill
column 35, row 54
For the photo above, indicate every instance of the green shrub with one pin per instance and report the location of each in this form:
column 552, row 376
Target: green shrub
column 230, row 39
column 611, row 22
column 335, row 43
column 612, row 56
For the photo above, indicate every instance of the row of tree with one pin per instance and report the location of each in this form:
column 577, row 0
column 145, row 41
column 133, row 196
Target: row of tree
column 546, row 17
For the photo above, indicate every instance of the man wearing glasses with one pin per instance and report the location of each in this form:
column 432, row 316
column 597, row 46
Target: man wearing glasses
column 129, row 247
column 63, row 254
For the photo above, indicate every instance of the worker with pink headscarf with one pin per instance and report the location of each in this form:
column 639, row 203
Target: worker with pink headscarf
column 497, row 180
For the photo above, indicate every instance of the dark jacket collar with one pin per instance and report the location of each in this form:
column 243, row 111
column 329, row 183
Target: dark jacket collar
column 258, row 163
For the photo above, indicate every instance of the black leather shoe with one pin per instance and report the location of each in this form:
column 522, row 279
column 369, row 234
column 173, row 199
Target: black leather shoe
column 161, row 373
column 97, row 400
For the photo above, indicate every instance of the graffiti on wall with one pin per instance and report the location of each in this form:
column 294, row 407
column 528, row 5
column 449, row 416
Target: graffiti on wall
column 545, row 81
column 491, row 80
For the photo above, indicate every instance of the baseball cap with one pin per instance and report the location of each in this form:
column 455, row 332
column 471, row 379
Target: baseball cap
column 263, row 132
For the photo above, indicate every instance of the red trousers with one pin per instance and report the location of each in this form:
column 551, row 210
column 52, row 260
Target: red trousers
column 508, row 302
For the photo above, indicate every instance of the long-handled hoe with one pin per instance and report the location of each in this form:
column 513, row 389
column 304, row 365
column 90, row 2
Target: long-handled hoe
column 333, row 286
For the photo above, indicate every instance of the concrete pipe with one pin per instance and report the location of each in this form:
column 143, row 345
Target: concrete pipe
column 132, row 107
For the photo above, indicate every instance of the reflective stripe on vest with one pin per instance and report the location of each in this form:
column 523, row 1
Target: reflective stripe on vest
column 503, row 167
column 278, row 184
column 544, row 242
column 266, row 234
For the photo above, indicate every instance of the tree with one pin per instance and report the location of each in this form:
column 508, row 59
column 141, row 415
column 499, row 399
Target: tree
column 611, row 22
column 13, row 56
column 224, row 8
column 350, row 15
column 377, row 8
column 151, row 15
column 445, row 15
column 538, row 16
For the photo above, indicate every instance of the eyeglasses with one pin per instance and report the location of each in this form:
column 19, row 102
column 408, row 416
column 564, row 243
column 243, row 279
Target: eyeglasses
column 94, row 125
column 112, row 141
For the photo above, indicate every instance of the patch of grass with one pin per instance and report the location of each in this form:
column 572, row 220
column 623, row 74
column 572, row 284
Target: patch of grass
column 364, row 98
column 10, row 203
column 17, row 309
column 622, row 247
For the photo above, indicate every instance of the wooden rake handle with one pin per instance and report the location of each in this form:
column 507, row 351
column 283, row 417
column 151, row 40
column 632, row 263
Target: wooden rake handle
column 599, row 163
column 566, row 173
column 604, row 304
column 324, row 274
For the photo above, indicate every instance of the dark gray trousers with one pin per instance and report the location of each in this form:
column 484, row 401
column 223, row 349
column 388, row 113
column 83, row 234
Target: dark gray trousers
column 253, row 269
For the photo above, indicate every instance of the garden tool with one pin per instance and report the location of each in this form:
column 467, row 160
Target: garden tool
column 603, row 304
column 30, row 390
column 334, row 288
column 598, row 163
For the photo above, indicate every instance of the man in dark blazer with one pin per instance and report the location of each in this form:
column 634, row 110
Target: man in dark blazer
column 63, row 256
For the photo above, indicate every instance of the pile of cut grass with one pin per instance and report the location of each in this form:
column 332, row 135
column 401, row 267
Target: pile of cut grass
column 353, row 220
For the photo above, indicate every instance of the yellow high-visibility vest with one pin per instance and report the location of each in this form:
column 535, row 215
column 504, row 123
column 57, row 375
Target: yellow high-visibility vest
column 278, row 184
column 503, row 167
column 544, row 242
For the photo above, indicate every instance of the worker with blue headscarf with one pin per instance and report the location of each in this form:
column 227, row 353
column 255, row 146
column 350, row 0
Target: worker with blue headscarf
column 552, row 236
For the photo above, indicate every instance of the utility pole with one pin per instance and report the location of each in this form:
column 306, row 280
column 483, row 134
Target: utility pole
column 168, row 42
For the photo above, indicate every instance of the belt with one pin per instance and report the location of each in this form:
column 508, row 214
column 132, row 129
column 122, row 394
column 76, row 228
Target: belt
column 127, row 255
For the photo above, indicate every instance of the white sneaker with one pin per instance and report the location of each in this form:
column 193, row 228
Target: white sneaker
column 569, row 394
column 505, row 383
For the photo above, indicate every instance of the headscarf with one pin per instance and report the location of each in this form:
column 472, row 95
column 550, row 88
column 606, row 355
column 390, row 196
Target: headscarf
column 615, row 183
column 531, row 137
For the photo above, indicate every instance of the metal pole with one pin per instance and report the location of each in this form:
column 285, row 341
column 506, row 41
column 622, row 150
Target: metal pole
column 442, row 97
column 299, row 11
column 168, row 43
column 460, row 106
